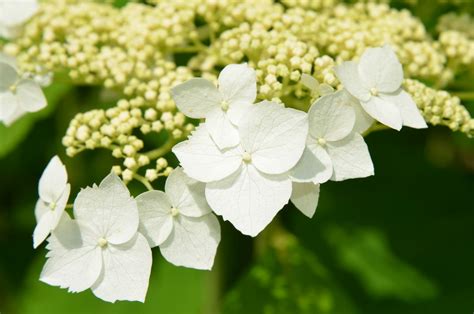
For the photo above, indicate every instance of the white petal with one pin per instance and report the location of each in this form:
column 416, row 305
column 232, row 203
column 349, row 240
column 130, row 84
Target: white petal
column 379, row 68
column 186, row 194
column 4, row 58
column 363, row 121
column 108, row 209
column 196, row 97
column 15, row 115
column 237, row 110
column 43, row 228
column 202, row 160
column 40, row 209
column 411, row 115
column 76, row 269
column 238, row 82
column 30, row 96
column 126, row 271
column 323, row 165
column 13, row 13
column 325, row 89
column 193, row 242
column 348, row 74
column 305, row 197
column 384, row 112
column 222, row 131
column 249, row 199
column 53, row 181
column 8, row 105
column 350, row 158
column 156, row 221
column 311, row 168
column 274, row 136
column 8, row 77
column 67, row 236
column 332, row 117
column 310, row 82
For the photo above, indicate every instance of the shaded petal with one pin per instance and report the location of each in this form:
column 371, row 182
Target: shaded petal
column 108, row 209
column 43, row 228
column 202, row 160
column 68, row 236
column 348, row 74
column 30, row 96
column 310, row 167
column 237, row 110
column 411, row 115
column 332, row 117
column 222, row 131
column 156, row 221
column 350, row 158
column 249, row 199
column 305, row 197
column 379, row 68
column 15, row 115
column 384, row 112
column 9, row 76
column 238, row 82
column 310, row 82
column 8, row 106
column 193, row 242
column 196, row 97
column 363, row 120
column 274, row 136
column 126, row 271
column 53, row 181
column 13, row 13
column 186, row 194
column 323, row 165
column 76, row 269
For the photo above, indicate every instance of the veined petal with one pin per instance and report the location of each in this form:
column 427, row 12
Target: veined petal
column 323, row 166
column 108, row 209
column 126, row 271
column 249, row 199
column 238, row 82
column 363, row 121
column 202, row 160
column 9, row 76
column 348, row 74
column 379, row 68
column 237, row 110
column 186, row 194
column 305, row 197
column 193, row 242
column 30, row 96
column 156, row 222
column 68, row 236
column 53, row 181
column 350, row 158
column 311, row 168
column 196, row 97
column 222, row 131
column 384, row 112
column 332, row 117
column 411, row 115
column 76, row 269
column 8, row 105
column 274, row 136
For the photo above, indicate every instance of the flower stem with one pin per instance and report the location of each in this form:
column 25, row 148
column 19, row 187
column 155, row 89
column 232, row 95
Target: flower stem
column 464, row 95
column 144, row 181
column 162, row 150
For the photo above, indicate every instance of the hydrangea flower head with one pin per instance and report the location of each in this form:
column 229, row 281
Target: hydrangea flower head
column 101, row 249
column 222, row 106
column 376, row 81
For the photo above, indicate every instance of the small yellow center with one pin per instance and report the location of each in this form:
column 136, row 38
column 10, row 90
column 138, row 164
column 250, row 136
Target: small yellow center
column 102, row 242
column 374, row 91
column 322, row 141
column 224, row 105
column 174, row 211
column 52, row 205
column 246, row 157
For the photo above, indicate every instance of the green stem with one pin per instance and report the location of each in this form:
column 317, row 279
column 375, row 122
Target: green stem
column 143, row 181
column 162, row 150
column 69, row 205
column 464, row 95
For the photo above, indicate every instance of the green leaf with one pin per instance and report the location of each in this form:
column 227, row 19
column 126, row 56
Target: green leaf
column 367, row 254
column 13, row 135
column 172, row 290
column 287, row 278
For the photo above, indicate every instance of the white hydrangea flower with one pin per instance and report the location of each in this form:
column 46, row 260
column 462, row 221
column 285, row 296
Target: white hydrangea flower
column 313, row 85
column 101, row 249
column 54, row 193
column 222, row 106
column 180, row 222
column 333, row 149
column 248, row 184
column 305, row 197
column 17, row 95
column 376, row 81
column 13, row 14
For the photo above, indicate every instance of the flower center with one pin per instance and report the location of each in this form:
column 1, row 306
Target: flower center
column 374, row 91
column 174, row 211
column 246, row 157
column 224, row 105
column 322, row 141
column 102, row 242
column 52, row 205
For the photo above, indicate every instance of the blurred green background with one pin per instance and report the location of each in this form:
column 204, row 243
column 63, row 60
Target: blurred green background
column 399, row 242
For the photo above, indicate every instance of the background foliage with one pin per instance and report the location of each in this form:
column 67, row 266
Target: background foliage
column 399, row 242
